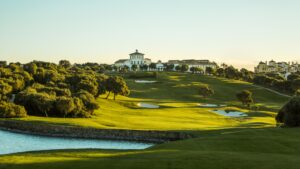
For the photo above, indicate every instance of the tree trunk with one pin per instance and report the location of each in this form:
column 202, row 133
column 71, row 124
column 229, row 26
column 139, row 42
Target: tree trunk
column 107, row 95
column 46, row 113
column 114, row 96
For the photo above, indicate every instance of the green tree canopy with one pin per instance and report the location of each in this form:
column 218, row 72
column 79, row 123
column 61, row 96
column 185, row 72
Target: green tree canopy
column 134, row 67
column 117, row 86
column 11, row 110
column 205, row 91
column 245, row 97
column 64, row 105
column 184, row 68
column 289, row 114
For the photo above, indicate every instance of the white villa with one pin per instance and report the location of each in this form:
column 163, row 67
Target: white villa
column 135, row 58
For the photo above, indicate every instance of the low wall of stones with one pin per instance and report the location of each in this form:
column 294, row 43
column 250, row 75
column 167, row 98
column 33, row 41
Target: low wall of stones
column 91, row 133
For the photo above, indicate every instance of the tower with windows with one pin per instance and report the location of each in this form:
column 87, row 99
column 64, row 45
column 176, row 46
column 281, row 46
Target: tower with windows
column 137, row 58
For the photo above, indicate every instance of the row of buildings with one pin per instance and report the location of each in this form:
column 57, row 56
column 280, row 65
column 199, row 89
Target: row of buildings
column 138, row 59
column 283, row 68
column 277, row 67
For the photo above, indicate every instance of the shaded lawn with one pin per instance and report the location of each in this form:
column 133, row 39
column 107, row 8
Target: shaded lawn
column 223, row 149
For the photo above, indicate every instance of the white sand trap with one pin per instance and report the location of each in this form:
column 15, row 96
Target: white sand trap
column 230, row 113
column 212, row 105
column 145, row 81
column 148, row 106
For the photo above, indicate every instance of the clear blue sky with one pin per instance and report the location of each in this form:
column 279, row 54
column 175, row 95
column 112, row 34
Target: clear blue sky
column 238, row 32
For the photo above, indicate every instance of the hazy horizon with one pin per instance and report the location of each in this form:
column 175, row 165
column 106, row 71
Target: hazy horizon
column 237, row 32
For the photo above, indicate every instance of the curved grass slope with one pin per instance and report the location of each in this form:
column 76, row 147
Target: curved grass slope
column 235, row 143
column 177, row 95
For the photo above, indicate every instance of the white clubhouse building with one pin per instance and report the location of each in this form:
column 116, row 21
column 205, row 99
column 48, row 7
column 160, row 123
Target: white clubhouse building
column 138, row 59
column 135, row 58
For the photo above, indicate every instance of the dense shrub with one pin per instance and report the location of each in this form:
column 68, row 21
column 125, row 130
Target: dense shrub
column 289, row 114
column 64, row 105
column 88, row 100
column 205, row 91
column 5, row 89
column 47, row 89
column 11, row 110
column 140, row 75
column 245, row 97
column 36, row 103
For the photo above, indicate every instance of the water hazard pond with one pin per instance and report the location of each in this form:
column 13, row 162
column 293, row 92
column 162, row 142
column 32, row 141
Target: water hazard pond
column 15, row 142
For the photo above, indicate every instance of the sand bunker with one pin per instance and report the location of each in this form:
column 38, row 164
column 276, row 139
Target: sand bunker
column 212, row 105
column 145, row 81
column 148, row 106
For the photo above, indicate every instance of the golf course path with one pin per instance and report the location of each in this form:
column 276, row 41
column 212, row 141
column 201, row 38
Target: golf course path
column 274, row 91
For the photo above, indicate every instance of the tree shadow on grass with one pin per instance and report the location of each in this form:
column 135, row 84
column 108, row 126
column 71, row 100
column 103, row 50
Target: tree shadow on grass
column 86, row 159
column 174, row 155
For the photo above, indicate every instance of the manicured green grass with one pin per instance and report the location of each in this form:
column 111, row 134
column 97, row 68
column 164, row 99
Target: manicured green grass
column 178, row 97
column 223, row 143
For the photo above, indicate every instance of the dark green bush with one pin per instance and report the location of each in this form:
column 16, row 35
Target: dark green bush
column 289, row 114
column 11, row 110
column 205, row 91
column 245, row 97
column 140, row 75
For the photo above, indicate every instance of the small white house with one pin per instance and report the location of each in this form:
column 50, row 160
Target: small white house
column 160, row 66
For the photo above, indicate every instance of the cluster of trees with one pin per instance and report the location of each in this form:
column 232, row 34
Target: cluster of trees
column 231, row 72
column 47, row 89
column 275, row 81
column 270, row 80
column 182, row 68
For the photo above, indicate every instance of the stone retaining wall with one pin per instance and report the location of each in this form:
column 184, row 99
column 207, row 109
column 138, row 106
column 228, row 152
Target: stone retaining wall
column 91, row 133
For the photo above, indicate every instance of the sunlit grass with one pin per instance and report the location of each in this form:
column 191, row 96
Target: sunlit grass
column 179, row 110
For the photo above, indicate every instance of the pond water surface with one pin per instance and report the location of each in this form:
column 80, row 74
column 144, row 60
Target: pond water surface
column 15, row 142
